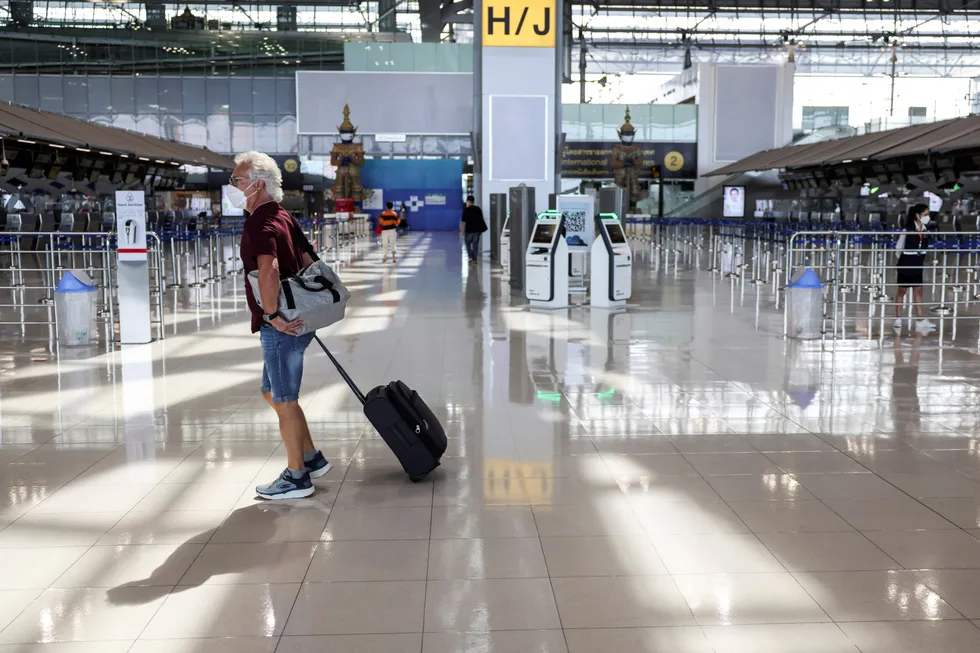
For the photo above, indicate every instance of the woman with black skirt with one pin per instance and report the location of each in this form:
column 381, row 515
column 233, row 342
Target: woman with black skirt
column 911, row 249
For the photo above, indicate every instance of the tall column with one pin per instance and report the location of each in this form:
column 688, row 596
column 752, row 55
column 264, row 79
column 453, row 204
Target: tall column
column 516, row 78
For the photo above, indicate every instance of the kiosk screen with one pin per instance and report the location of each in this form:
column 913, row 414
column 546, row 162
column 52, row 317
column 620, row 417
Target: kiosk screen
column 544, row 234
column 616, row 236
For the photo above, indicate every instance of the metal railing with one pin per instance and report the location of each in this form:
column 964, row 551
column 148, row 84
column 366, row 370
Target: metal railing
column 857, row 264
column 860, row 272
column 36, row 262
column 33, row 262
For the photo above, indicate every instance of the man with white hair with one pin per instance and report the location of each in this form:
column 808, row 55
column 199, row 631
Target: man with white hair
column 273, row 244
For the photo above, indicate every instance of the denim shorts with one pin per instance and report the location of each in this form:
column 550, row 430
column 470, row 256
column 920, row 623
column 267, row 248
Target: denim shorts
column 282, row 358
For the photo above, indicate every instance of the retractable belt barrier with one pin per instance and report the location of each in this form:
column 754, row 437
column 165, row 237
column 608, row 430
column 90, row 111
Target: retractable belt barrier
column 183, row 253
column 38, row 260
column 856, row 263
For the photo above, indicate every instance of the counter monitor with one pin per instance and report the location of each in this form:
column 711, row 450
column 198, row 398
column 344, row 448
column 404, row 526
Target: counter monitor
column 616, row 235
column 544, row 234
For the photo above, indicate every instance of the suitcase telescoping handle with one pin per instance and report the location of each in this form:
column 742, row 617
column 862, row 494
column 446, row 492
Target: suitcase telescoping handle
column 343, row 372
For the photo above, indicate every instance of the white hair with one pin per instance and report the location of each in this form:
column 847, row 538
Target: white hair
column 263, row 167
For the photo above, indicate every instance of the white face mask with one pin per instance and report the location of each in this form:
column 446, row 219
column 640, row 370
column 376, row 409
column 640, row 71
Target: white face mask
column 237, row 197
column 924, row 220
column 627, row 138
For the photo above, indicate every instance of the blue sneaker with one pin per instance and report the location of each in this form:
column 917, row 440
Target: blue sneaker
column 319, row 466
column 286, row 487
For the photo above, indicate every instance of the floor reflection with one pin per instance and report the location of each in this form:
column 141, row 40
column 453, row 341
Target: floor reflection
column 670, row 477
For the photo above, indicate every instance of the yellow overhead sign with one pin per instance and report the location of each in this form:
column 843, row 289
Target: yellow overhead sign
column 519, row 23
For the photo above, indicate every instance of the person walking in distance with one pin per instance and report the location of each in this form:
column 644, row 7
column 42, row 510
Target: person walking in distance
column 911, row 250
column 389, row 221
column 472, row 227
column 274, row 245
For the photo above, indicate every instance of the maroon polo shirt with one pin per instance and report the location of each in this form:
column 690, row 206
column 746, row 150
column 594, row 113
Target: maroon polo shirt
column 268, row 232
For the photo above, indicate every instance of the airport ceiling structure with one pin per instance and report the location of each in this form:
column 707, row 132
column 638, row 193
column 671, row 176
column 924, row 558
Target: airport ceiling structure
column 920, row 37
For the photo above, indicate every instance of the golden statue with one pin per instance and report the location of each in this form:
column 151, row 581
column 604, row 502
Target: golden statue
column 626, row 160
column 348, row 157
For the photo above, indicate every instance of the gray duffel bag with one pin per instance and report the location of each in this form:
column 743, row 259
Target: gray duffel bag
column 315, row 295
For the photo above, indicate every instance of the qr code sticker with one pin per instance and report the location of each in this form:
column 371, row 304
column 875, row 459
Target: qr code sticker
column 575, row 227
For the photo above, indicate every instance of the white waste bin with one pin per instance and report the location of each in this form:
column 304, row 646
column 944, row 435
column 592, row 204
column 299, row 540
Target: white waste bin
column 804, row 303
column 74, row 304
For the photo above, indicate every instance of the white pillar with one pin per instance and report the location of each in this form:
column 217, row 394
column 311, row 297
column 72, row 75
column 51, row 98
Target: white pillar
column 517, row 78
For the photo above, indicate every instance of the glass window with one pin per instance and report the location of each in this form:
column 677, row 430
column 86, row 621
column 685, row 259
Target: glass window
column 171, row 94
column 195, row 95
column 25, row 90
column 242, row 136
column 286, row 96
column 686, row 122
column 194, row 131
column 286, row 135
column 264, row 134
column 99, row 95
column 240, row 96
column 219, row 134
column 264, row 95
column 217, row 96
column 590, row 116
column 356, row 56
column 321, row 144
column 51, row 97
column 147, row 95
column 465, row 55
column 148, row 124
column 7, row 88
column 76, row 94
column 124, row 121
column 123, row 94
column 404, row 57
column 819, row 117
column 661, row 123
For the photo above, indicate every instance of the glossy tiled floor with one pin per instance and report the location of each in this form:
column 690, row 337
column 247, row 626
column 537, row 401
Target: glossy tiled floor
column 673, row 479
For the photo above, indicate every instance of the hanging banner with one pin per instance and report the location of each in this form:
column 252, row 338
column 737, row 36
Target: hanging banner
column 593, row 160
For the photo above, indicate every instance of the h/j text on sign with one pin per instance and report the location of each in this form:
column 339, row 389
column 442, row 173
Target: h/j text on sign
column 519, row 23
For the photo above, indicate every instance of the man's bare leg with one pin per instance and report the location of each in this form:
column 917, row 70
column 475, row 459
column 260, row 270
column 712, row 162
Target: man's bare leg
column 292, row 420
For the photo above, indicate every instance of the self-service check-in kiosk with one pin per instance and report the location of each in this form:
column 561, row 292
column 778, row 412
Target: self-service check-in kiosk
column 546, row 262
column 611, row 263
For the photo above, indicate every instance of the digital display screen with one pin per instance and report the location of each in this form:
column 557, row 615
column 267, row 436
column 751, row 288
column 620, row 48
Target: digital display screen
column 615, row 231
column 734, row 202
column 544, row 234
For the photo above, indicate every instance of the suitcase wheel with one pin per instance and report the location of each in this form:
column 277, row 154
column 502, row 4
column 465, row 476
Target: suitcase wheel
column 417, row 478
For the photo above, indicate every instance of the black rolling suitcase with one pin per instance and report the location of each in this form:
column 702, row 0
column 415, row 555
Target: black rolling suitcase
column 404, row 422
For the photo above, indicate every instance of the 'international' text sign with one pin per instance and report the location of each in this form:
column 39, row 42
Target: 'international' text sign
column 519, row 23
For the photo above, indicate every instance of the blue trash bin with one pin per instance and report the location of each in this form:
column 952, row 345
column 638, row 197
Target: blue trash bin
column 804, row 301
column 74, row 302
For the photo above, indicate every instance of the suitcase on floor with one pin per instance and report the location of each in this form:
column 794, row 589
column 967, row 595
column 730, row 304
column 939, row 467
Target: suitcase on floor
column 404, row 422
